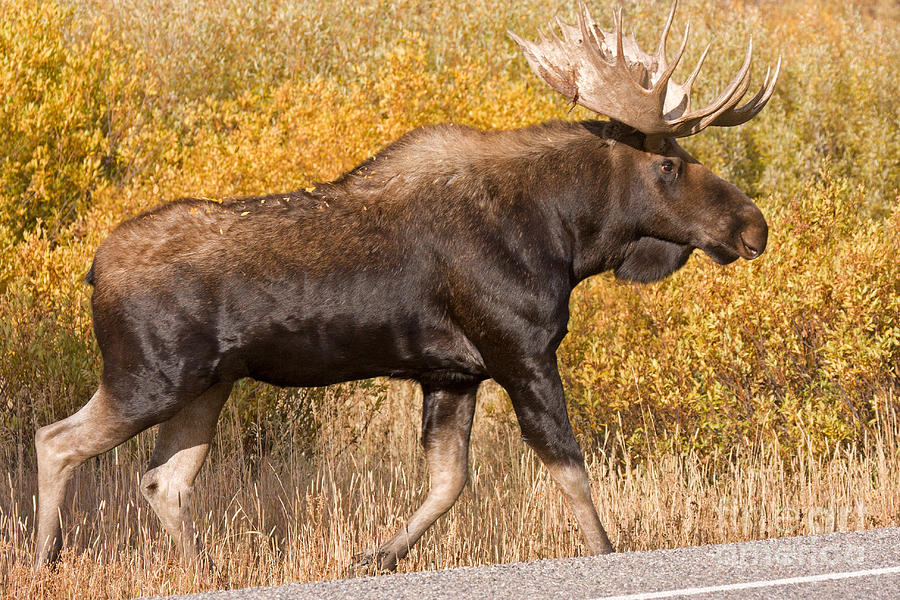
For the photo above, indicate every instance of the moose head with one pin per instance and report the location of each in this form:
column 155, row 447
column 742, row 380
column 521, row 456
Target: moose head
column 684, row 203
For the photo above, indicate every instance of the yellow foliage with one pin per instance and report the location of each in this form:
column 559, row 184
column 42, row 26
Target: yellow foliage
column 68, row 105
column 107, row 110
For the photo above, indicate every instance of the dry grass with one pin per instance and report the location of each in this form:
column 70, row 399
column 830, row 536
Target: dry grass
column 281, row 515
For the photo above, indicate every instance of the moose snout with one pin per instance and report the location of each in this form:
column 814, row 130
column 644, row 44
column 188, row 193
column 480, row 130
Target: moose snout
column 753, row 237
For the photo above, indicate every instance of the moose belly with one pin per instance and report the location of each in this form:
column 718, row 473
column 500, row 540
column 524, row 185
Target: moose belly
column 328, row 336
column 343, row 350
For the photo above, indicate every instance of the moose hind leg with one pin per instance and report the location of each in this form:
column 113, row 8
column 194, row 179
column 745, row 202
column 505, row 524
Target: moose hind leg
column 100, row 425
column 446, row 425
column 181, row 447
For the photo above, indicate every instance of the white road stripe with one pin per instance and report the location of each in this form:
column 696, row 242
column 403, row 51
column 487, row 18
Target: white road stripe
column 753, row 584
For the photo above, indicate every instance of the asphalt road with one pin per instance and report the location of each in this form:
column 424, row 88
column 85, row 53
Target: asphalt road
column 863, row 564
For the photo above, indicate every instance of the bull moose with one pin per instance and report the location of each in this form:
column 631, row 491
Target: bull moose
column 447, row 258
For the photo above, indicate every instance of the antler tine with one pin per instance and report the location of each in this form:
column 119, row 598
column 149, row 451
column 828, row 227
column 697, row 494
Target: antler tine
column 566, row 29
column 737, row 116
column 610, row 75
column 549, row 35
column 730, row 96
column 770, row 88
column 588, row 29
column 664, row 79
column 693, row 76
column 663, row 86
column 620, row 50
column 685, row 88
column 661, row 49
column 587, row 38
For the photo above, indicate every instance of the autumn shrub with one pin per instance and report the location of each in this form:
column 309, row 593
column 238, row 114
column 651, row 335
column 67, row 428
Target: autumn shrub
column 108, row 109
column 68, row 104
column 796, row 347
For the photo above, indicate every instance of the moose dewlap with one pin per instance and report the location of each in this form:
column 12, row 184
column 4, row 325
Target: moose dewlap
column 447, row 259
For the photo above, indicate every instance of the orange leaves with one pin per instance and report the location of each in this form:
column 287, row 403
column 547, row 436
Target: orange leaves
column 106, row 112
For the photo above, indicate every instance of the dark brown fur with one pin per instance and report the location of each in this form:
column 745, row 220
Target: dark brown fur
column 448, row 258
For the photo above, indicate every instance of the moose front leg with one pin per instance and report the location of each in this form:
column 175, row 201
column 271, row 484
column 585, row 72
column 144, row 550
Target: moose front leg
column 446, row 424
column 540, row 406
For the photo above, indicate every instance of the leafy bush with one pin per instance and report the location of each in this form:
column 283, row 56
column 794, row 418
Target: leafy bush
column 68, row 104
column 110, row 109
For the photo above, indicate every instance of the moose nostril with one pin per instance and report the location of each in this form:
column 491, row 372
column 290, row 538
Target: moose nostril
column 752, row 251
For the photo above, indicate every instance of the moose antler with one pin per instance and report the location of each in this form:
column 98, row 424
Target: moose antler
column 609, row 74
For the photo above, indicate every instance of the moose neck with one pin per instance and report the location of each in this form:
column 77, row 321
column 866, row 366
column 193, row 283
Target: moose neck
column 582, row 178
column 562, row 186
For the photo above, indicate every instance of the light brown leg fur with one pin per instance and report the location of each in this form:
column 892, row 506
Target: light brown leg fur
column 573, row 481
column 61, row 447
column 181, row 447
column 445, row 435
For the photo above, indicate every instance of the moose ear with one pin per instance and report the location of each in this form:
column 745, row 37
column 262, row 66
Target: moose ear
column 651, row 259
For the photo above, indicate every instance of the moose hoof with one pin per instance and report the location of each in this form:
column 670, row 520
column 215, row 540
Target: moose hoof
column 374, row 561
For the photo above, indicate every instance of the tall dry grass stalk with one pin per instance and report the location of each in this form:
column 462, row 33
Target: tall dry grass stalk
column 283, row 515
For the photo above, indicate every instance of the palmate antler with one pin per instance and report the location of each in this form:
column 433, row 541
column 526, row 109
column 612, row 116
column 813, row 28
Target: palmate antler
column 609, row 74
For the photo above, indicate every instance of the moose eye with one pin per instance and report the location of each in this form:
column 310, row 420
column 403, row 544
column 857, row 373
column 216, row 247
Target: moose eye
column 667, row 166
